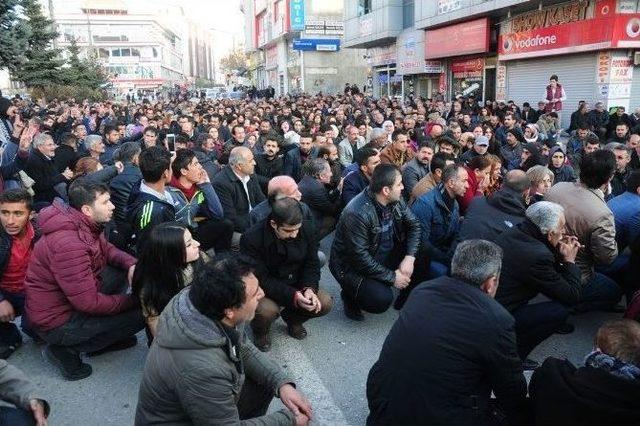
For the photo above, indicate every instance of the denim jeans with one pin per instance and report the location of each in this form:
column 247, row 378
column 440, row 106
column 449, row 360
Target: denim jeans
column 12, row 416
column 9, row 334
column 437, row 269
column 599, row 293
column 535, row 322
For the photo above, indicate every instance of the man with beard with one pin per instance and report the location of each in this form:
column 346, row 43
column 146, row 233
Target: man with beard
column 296, row 157
column 269, row 163
column 330, row 153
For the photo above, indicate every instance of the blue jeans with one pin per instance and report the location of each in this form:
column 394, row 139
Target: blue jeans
column 536, row 322
column 9, row 334
column 11, row 416
column 437, row 269
column 599, row 293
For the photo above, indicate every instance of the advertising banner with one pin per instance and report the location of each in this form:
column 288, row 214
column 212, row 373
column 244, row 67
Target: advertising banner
column 459, row 39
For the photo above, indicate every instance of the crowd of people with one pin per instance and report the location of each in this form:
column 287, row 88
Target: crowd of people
column 486, row 225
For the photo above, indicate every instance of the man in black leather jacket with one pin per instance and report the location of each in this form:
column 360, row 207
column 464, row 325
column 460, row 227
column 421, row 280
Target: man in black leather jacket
column 375, row 245
column 120, row 231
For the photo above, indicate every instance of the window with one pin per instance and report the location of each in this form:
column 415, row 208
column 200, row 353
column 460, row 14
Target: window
column 407, row 13
column 135, row 52
column 103, row 53
column 364, row 7
column 126, row 52
column 115, row 52
column 276, row 11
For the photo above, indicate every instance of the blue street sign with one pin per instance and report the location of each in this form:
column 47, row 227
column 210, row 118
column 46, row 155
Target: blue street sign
column 297, row 15
column 317, row 44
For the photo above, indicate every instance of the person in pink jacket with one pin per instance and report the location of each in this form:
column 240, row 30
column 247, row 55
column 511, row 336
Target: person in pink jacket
column 76, row 299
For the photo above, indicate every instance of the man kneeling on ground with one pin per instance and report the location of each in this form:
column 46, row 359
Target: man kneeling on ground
column 202, row 370
column 285, row 250
column 73, row 301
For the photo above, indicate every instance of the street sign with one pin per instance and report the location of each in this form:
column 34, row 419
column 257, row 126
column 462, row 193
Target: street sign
column 317, row 44
column 297, row 15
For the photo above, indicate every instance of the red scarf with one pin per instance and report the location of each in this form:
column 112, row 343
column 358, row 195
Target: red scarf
column 188, row 192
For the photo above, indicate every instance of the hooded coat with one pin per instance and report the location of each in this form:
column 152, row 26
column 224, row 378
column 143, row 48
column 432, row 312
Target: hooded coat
column 564, row 173
column 63, row 276
column 196, row 368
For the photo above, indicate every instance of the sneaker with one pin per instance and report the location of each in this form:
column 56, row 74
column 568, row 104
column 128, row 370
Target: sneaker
column 262, row 342
column 120, row 345
column 566, row 328
column 297, row 331
column 530, row 365
column 68, row 362
column 7, row 350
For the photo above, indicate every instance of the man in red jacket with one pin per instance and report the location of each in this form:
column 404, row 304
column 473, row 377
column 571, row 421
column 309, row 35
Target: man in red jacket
column 70, row 302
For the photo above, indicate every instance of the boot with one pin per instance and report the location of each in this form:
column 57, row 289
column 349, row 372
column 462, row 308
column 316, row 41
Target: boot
column 351, row 309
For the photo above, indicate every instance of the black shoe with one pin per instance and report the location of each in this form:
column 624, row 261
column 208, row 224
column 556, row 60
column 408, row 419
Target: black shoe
column 262, row 342
column 351, row 310
column 618, row 309
column 566, row 328
column 297, row 331
column 529, row 364
column 7, row 350
column 68, row 362
column 120, row 345
column 400, row 300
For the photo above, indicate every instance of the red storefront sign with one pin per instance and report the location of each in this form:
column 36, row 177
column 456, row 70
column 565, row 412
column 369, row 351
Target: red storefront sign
column 456, row 40
column 468, row 68
column 579, row 27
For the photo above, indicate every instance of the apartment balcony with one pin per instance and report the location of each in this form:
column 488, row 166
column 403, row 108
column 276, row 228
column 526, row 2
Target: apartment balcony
column 372, row 23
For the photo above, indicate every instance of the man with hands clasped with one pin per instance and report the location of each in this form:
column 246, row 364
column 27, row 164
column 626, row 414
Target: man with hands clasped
column 539, row 257
column 375, row 245
column 284, row 248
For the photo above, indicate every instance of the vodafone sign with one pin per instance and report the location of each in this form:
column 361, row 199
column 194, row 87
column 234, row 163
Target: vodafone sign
column 577, row 26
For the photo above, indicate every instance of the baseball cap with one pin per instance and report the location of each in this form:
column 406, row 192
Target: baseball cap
column 482, row 140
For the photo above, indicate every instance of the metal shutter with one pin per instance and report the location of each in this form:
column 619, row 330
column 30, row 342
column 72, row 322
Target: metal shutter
column 527, row 79
column 634, row 102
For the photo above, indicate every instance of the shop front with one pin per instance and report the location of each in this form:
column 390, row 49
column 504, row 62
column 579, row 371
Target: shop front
column 466, row 49
column 588, row 44
column 419, row 76
column 384, row 80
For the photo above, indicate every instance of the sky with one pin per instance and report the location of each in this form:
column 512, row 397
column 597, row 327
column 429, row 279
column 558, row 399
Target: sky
column 222, row 16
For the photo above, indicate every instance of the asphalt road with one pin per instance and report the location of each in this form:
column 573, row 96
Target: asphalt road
column 330, row 367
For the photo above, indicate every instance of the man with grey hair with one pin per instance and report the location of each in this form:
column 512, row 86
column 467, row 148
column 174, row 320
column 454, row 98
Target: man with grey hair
column 348, row 147
column 323, row 202
column 238, row 189
column 94, row 145
column 378, row 138
column 623, row 158
column 41, row 168
column 451, row 346
column 539, row 258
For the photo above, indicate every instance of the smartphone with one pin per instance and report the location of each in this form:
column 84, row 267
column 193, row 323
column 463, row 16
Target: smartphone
column 171, row 142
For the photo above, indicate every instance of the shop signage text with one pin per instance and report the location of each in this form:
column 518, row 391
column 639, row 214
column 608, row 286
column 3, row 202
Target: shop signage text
column 468, row 69
column 296, row 15
column 459, row 39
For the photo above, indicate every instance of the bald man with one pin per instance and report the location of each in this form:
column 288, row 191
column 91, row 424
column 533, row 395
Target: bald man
column 238, row 189
column 279, row 187
column 486, row 218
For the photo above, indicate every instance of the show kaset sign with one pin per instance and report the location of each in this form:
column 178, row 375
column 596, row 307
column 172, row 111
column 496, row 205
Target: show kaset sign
column 579, row 26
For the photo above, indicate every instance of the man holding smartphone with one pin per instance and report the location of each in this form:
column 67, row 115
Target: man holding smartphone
column 284, row 248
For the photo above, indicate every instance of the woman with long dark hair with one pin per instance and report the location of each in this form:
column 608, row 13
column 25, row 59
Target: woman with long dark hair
column 164, row 267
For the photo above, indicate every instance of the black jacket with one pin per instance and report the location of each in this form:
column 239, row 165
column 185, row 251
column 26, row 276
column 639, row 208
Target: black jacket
column 451, row 346
column 321, row 201
column 65, row 157
column 283, row 267
column 266, row 169
column 486, row 218
column 292, row 162
column 357, row 239
column 530, row 266
column 564, row 395
column 144, row 211
column 354, row 183
column 43, row 171
column 233, row 197
column 207, row 160
column 121, row 187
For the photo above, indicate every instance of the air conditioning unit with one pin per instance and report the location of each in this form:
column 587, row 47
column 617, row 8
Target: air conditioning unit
column 636, row 58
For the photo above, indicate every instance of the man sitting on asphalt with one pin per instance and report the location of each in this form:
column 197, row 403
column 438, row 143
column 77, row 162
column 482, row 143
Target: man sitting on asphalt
column 196, row 203
column 539, row 257
column 604, row 391
column 323, row 202
column 285, row 251
column 589, row 219
column 375, row 245
column 439, row 161
column 367, row 159
column 151, row 203
column 73, row 302
column 488, row 217
column 296, row 157
column 439, row 217
column 417, row 168
column 202, row 369
column 17, row 237
column 269, row 163
column 451, row 347
column 239, row 190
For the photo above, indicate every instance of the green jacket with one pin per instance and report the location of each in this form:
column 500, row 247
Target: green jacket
column 194, row 374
